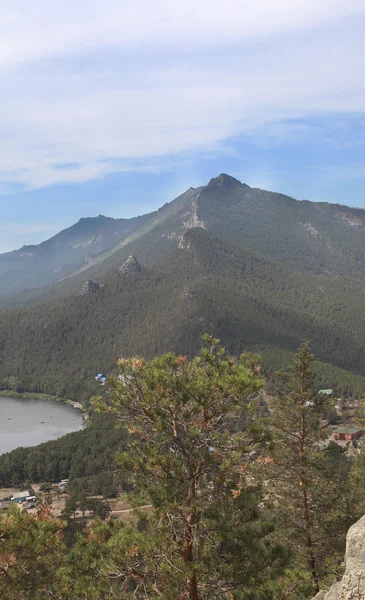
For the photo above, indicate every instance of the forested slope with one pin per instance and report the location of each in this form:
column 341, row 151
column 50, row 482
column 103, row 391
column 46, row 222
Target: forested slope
column 206, row 285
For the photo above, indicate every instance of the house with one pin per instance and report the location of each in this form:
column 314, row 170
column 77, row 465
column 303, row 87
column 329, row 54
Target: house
column 347, row 433
column 20, row 497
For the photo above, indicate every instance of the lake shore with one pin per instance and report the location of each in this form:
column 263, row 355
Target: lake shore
column 39, row 396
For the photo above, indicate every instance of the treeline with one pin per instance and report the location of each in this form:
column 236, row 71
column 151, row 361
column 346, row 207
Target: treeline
column 84, row 454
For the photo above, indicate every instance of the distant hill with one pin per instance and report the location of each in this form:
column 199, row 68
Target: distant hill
column 203, row 284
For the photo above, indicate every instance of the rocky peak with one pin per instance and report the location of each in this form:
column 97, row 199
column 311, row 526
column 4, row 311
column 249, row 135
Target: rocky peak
column 352, row 584
column 130, row 266
column 223, row 180
column 90, row 287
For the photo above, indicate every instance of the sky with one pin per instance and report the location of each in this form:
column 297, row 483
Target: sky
column 110, row 107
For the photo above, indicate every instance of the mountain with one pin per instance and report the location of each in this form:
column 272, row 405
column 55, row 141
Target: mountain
column 260, row 270
column 205, row 284
column 325, row 239
column 69, row 250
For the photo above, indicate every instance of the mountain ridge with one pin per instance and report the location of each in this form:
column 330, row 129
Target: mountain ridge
column 298, row 231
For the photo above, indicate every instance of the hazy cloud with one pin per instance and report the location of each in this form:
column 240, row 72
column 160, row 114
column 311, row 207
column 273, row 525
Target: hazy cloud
column 112, row 86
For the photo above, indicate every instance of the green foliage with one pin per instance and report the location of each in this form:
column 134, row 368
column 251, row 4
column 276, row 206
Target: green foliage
column 189, row 465
column 224, row 497
column 248, row 301
column 32, row 555
column 80, row 454
column 307, row 481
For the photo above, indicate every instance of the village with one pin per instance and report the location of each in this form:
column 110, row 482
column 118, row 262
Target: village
column 56, row 499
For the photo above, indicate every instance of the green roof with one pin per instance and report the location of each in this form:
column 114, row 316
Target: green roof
column 327, row 392
column 347, row 430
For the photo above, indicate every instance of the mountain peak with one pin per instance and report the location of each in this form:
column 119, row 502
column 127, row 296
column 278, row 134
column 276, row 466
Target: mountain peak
column 130, row 266
column 90, row 220
column 223, row 180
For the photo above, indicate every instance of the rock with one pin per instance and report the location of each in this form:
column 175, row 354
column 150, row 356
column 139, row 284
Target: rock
column 90, row 287
column 352, row 584
column 320, row 595
column 130, row 266
column 331, row 594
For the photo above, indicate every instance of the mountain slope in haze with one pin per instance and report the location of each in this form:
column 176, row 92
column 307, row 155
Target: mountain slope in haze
column 205, row 285
column 137, row 233
column 322, row 238
column 54, row 259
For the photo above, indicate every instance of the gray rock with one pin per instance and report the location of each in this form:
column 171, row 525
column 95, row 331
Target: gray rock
column 320, row 596
column 90, row 287
column 130, row 266
column 352, row 585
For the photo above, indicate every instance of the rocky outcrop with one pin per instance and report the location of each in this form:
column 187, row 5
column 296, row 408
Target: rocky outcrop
column 130, row 266
column 90, row 287
column 352, row 584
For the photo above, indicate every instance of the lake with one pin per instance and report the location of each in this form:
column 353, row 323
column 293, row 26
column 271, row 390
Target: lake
column 28, row 422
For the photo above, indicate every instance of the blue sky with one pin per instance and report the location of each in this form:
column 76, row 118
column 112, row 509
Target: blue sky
column 117, row 107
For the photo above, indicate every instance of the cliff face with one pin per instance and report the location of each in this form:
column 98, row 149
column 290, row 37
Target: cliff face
column 352, row 585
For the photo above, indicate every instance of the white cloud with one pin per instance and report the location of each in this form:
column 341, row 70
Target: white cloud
column 112, row 85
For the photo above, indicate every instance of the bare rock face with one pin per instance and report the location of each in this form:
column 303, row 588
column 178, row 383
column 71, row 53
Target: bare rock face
column 130, row 266
column 90, row 287
column 352, row 585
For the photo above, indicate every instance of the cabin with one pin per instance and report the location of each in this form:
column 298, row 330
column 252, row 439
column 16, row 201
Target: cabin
column 347, row 433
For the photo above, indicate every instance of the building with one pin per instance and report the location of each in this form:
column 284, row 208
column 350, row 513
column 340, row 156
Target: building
column 328, row 392
column 347, row 433
column 20, row 497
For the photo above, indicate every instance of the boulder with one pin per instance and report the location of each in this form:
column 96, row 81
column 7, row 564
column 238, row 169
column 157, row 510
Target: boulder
column 352, row 584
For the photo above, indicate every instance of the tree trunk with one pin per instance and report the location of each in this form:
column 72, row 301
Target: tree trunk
column 189, row 544
column 193, row 588
column 310, row 555
column 309, row 543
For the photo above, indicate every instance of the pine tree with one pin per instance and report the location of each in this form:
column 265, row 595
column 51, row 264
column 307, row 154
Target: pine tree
column 205, row 536
column 32, row 555
column 306, row 491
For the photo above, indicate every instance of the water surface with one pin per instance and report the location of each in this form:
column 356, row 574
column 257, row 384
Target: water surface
column 28, row 422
